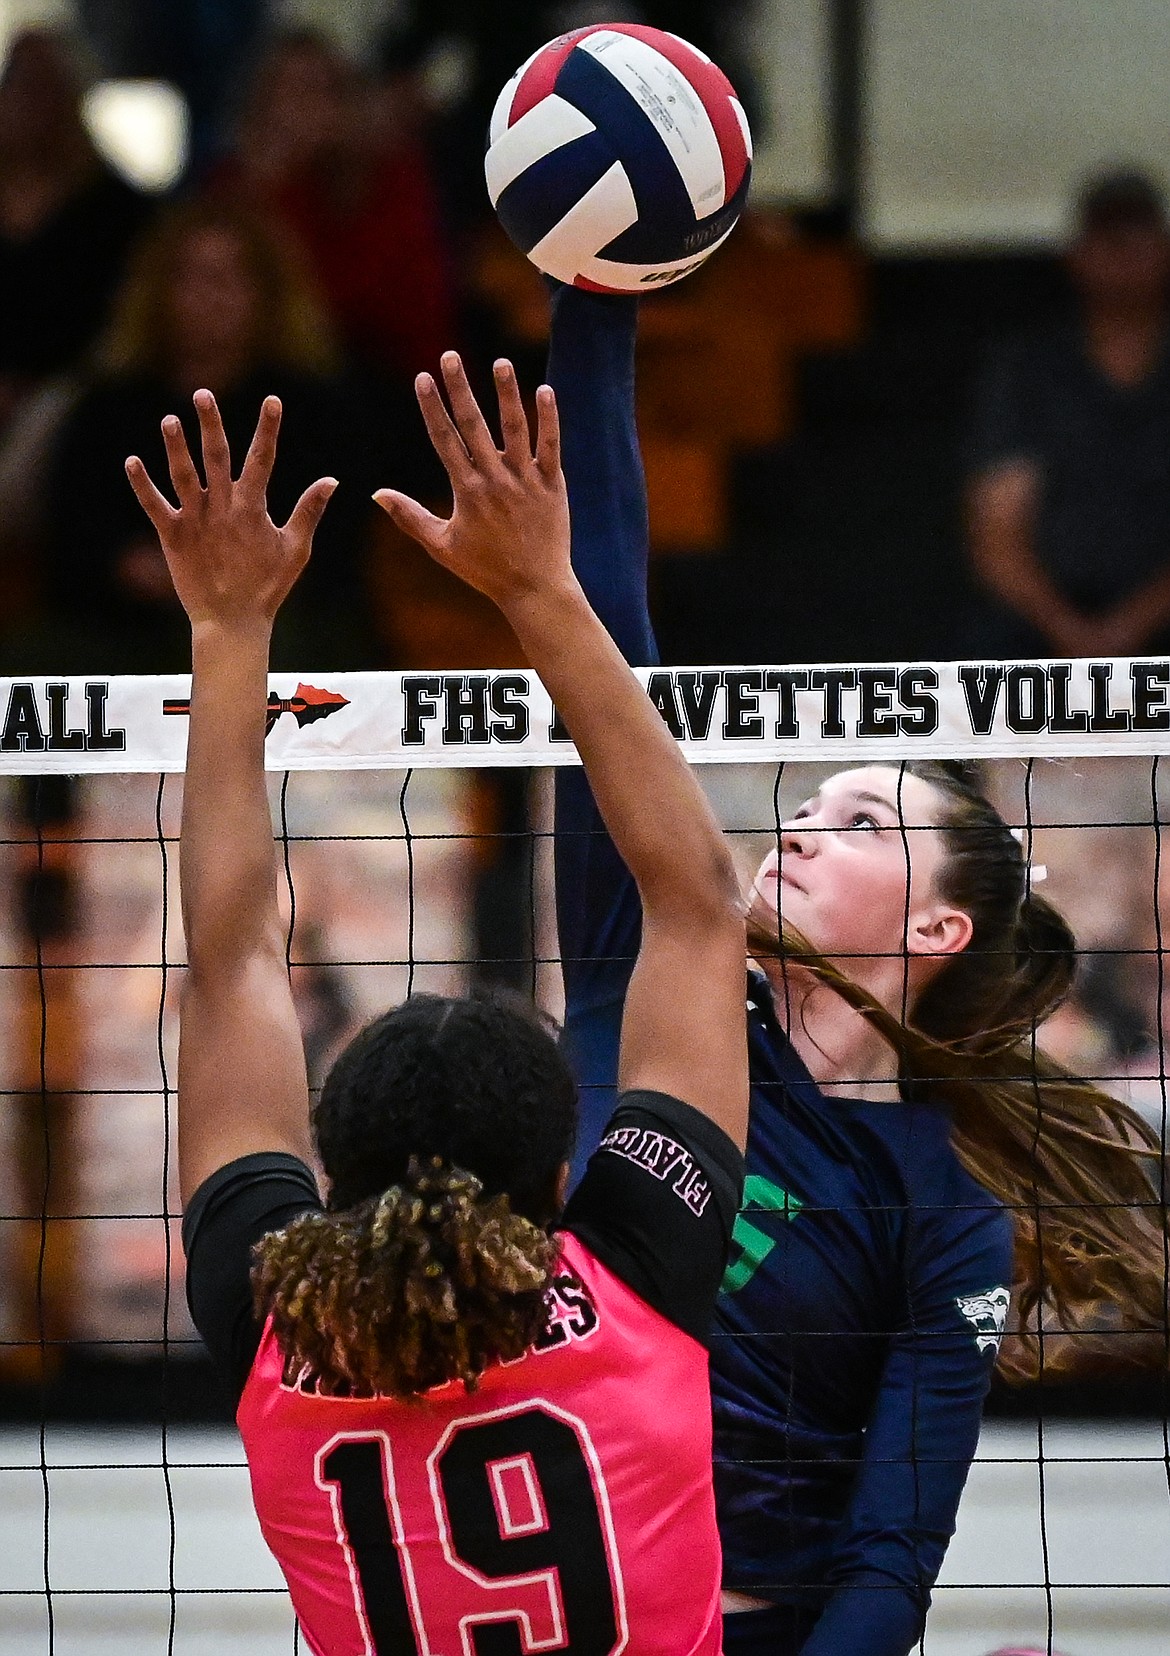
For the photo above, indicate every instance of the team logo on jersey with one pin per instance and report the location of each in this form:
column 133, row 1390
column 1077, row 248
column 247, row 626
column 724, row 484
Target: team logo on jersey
column 307, row 705
column 987, row 1314
column 572, row 1314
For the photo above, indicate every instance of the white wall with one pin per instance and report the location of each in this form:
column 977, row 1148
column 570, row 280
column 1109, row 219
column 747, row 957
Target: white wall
column 985, row 113
column 789, row 44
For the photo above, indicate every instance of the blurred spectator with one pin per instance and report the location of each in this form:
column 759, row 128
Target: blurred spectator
column 338, row 161
column 66, row 220
column 214, row 299
column 1070, row 499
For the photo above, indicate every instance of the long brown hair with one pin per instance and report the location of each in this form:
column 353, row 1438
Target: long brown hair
column 1082, row 1174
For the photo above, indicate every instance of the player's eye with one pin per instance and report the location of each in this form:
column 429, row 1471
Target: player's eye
column 865, row 819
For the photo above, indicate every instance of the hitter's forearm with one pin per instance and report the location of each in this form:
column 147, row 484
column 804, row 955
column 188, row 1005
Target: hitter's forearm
column 227, row 859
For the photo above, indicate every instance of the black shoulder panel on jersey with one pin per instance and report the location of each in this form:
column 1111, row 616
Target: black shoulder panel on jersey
column 657, row 1205
column 226, row 1217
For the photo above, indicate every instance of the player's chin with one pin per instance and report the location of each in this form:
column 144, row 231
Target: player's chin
column 792, row 904
column 762, row 917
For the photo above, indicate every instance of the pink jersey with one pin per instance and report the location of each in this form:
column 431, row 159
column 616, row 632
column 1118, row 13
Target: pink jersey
column 564, row 1506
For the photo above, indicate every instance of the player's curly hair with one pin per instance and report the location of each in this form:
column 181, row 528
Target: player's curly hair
column 1076, row 1168
column 420, row 1272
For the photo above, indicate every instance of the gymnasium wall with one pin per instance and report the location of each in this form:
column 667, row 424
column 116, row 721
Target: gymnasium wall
column 981, row 115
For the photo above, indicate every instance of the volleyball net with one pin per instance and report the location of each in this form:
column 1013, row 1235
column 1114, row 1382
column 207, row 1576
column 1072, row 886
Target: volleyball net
column 414, row 819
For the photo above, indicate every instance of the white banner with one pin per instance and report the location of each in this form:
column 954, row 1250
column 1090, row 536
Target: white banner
column 346, row 721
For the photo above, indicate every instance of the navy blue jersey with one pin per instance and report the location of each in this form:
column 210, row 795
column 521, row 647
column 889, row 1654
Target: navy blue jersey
column 856, row 1334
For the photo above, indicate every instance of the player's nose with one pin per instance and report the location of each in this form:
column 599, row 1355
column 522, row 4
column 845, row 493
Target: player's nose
column 797, row 839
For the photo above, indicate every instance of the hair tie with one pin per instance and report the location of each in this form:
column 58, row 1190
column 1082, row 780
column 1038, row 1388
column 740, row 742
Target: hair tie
column 1037, row 872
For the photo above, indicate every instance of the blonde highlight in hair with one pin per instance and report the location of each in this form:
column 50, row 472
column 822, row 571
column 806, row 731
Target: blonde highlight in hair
column 427, row 1283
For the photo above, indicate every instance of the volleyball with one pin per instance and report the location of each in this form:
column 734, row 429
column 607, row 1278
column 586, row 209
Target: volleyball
column 618, row 158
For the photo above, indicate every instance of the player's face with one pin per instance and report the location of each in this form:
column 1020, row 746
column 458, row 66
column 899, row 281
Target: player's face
column 1123, row 264
column 857, row 871
column 214, row 303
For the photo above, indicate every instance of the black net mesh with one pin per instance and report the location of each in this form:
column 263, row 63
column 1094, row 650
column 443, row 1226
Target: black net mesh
column 125, row 1521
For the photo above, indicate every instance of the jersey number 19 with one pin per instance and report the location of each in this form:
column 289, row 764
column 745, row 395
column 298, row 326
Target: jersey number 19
column 524, row 1525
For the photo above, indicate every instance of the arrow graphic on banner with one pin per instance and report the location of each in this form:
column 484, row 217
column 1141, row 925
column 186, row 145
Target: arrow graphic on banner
column 307, row 705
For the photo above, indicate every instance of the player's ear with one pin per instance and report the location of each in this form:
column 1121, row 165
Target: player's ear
column 940, row 930
column 562, row 1186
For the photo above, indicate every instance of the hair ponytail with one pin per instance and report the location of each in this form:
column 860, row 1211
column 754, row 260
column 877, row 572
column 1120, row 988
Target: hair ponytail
column 427, row 1283
column 1046, row 957
column 1075, row 1167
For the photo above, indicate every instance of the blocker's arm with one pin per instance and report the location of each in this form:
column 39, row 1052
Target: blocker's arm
column 684, row 1030
column 242, row 1083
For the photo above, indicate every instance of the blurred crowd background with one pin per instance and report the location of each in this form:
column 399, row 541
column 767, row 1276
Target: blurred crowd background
column 918, row 408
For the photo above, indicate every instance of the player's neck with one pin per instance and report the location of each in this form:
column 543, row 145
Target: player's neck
column 842, row 1051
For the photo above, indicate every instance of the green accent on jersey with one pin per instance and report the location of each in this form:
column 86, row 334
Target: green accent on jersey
column 759, row 1195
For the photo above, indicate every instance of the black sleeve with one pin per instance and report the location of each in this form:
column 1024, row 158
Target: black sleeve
column 657, row 1205
column 225, row 1218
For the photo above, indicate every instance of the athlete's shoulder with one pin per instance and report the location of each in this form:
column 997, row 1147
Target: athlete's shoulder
column 960, row 1232
column 917, row 1134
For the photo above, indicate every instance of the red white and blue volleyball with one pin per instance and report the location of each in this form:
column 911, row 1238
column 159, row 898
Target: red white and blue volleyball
column 618, row 158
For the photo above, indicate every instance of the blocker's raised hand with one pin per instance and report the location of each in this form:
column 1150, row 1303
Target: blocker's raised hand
column 227, row 558
column 509, row 531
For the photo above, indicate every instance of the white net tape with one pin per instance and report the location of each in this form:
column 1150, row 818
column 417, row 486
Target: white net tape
column 343, row 721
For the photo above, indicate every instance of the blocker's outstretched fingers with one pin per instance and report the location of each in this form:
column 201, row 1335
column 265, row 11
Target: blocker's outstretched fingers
column 473, row 428
column 308, row 512
column 513, row 420
column 414, row 520
column 441, row 430
column 217, row 459
column 548, row 433
column 156, row 506
column 185, row 479
column 261, row 455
